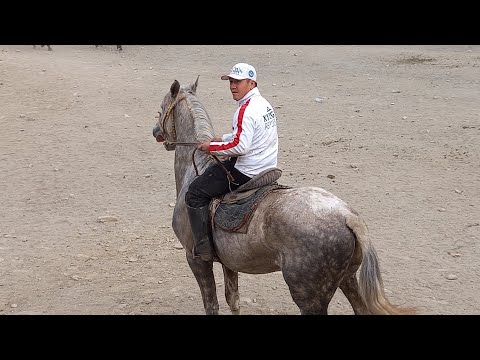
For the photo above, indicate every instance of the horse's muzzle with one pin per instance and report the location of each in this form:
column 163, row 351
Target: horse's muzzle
column 157, row 135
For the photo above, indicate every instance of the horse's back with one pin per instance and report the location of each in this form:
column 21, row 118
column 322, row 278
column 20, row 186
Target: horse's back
column 306, row 214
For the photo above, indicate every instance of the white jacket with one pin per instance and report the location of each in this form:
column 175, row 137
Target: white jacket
column 254, row 140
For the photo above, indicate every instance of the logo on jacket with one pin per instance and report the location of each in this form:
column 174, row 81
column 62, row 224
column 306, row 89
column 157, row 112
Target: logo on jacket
column 269, row 118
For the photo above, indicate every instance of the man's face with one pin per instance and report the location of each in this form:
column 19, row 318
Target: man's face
column 239, row 88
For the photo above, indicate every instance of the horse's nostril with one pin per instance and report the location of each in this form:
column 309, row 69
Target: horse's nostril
column 155, row 130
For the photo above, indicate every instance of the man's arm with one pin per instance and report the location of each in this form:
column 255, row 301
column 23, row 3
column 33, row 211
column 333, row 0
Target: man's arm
column 206, row 145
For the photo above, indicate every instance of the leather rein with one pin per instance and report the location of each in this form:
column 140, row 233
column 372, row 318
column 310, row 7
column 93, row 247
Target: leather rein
column 230, row 177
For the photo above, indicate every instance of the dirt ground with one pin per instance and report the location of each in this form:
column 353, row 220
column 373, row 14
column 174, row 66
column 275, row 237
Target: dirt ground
column 87, row 193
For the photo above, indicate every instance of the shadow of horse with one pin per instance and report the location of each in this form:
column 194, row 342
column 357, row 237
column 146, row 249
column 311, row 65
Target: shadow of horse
column 313, row 237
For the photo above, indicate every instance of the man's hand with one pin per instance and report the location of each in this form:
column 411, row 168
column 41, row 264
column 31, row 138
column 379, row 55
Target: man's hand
column 205, row 147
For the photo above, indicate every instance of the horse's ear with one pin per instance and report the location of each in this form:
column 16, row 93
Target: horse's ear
column 194, row 86
column 174, row 88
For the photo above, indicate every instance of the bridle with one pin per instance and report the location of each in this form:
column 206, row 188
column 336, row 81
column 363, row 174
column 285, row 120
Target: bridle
column 174, row 103
column 165, row 117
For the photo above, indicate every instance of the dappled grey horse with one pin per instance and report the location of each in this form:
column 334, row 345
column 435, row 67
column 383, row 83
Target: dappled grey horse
column 314, row 238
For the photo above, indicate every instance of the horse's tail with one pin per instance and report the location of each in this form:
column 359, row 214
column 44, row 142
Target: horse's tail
column 370, row 280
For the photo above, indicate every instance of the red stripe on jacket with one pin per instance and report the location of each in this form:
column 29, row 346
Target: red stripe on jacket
column 236, row 139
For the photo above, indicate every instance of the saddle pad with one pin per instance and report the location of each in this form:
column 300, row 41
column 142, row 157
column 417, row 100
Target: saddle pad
column 235, row 217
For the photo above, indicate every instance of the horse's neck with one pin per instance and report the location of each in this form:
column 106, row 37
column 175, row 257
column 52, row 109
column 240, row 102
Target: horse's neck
column 189, row 161
column 193, row 125
column 185, row 165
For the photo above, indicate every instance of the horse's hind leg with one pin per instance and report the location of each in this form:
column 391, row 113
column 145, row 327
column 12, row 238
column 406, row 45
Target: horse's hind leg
column 349, row 284
column 313, row 290
column 203, row 272
column 349, row 287
column 311, row 298
column 313, row 276
column 231, row 290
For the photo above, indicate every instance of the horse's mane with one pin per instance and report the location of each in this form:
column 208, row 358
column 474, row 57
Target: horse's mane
column 201, row 120
column 202, row 126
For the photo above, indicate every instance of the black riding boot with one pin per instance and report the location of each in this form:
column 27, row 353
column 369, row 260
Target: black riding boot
column 201, row 242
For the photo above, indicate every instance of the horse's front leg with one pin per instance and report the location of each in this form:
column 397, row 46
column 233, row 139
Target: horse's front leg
column 231, row 290
column 203, row 272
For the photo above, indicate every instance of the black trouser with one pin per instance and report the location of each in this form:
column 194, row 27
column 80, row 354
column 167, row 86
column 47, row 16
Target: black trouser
column 213, row 183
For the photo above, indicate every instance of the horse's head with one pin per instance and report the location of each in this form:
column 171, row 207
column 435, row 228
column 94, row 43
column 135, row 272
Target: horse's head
column 164, row 130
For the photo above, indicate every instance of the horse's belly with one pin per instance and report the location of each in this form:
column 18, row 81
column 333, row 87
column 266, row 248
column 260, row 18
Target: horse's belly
column 245, row 253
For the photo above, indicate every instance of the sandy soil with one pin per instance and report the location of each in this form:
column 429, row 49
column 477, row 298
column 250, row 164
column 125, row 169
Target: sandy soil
column 87, row 193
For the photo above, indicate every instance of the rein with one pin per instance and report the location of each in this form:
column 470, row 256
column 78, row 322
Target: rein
column 230, row 177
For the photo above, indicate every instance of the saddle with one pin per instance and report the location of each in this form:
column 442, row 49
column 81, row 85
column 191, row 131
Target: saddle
column 233, row 211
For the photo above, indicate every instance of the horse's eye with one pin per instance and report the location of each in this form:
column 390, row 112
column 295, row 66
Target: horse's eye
column 163, row 110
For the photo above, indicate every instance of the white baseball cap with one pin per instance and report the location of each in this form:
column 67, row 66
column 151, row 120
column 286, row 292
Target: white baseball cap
column 241, row 71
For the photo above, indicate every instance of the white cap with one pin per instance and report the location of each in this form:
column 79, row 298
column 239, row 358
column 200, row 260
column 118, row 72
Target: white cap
column 241, row 71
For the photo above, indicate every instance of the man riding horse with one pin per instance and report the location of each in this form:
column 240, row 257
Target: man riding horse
column 252, row 147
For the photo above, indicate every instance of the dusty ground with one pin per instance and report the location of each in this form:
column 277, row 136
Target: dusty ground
column 397, row 126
